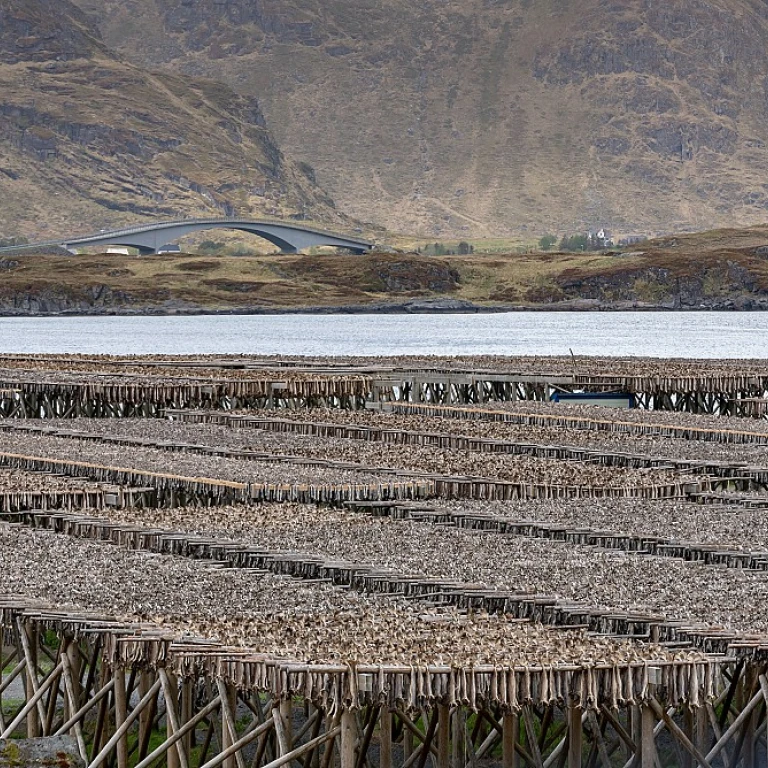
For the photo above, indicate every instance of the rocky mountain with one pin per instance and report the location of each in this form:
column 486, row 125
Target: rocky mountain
column 88, row 140
column 476, row 117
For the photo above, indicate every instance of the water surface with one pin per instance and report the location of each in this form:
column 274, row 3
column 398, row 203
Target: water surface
column 656, row 334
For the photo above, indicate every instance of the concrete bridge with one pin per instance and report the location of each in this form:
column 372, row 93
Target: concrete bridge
column 148, row 238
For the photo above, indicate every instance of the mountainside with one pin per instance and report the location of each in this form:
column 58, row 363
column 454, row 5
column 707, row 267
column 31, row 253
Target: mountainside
column 88, row 140
column 476, row 117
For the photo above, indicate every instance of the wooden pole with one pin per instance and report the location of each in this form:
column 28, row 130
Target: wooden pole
column 574, row 736
column 146, row 717
column 385, row 738
column 85, row 708
column 176, row 757
column 121, row 715
column 31, row 704
column 648, row 757
column 29, row 640
column 185, row 715
column 458, row 745
column 688, row 727
column 123, row 728
column 228, row 737
column 443, row 736
column 71, row 683
column 348, row 736
column 736, row 724
column 286, row 716
column 185, row 729
column 510, row 734
column 678, row 733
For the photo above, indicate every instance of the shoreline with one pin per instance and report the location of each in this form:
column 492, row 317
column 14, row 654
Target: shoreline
column 416, row 306
column 397, row 309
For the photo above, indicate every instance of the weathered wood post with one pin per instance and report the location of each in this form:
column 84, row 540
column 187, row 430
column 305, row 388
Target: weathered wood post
column 228, row 704
column 648, row 757
column 510, row 729
column 145, row 718
column 348, row 737
column 574, row 736
column 171, row 699
column 185, row 715
column 30, row 641
column 385, row 738
column 443, row 736
column 121, row 713
column 286, row 718
column 74, row 661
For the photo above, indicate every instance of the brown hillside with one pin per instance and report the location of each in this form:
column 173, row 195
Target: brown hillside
column 89, row 141
column 493, row 116
column 716, row 270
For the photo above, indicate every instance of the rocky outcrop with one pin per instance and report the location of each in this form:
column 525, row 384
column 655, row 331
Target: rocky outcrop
column 48, row 30
column 47, row 752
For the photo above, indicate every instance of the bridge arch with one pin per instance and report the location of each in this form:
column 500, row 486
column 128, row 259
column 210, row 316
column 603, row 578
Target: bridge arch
column 289, row 237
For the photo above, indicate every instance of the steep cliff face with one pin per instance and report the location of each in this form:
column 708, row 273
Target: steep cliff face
column 89, row 141
column 477, row 116
column 43, row 31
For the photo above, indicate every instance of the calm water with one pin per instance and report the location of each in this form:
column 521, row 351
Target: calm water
column 660, row 334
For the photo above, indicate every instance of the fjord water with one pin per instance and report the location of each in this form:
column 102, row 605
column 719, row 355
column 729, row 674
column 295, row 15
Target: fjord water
column 656, row 334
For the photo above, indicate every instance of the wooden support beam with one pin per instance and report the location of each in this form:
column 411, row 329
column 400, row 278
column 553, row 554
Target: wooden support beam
column 292, row 755
column 125, row 726
column 71, row 685
column 30, row 638
column 121, row 717
column 599, row 740
column 575, row 733
column 329, row 746
column 177, row 757
column 413, row 729
column 648, row 758
column 104, row 709
column 228, row 737
column 53, row 701
column 90, row 704
column 32, row 702
column 283, row 746
column 348, row 737
column 286, row 716
column 619, row 728
column 443, row 736
column 185, row 713
column 510, row 734
column 385, row 738
column 12, row 675
column 530, row 733
column 365, row 741
column 679, row 734
column 180, row 734
column 428, row 739
column 147, row 716
column 743, row 715
column 469, row 746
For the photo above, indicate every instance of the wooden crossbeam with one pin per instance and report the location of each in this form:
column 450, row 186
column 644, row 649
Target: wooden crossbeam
column 188, row 727
column 124, row 726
